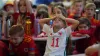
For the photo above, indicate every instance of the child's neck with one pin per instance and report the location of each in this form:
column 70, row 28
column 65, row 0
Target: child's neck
column 56, row 29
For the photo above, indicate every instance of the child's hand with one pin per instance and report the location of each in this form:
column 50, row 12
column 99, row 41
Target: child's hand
column 42, row 35
column 86, row 35
column 53, row 17
column 61, row 16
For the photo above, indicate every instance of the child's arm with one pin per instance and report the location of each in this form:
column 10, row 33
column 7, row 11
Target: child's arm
column 45, row 20
column 72, row 21
column 15, row 6
column 91, row 50
column 3, row 26
column 29, row 6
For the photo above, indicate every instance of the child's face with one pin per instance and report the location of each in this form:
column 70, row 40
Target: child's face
column 22, row 6
column 58, row 23
column 78, row 7
column 83, row 27
column 90, row 12
column 57, row 11
column 16, row 39
column 9, row 8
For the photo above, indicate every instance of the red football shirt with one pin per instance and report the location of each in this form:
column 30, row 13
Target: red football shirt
column 23, row 49
column 94, row 22
column 3, row 49
column 16, row 15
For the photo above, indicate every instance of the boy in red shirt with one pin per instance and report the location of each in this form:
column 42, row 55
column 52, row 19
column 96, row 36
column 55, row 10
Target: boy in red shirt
column 3, row 49
column 76, row 10
column 89, row 14
column 21, row 45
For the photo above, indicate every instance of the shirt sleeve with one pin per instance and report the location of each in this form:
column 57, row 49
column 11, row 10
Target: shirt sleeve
column 32, row 47
column 15, row 17
column 46, row 29
column 68, row 30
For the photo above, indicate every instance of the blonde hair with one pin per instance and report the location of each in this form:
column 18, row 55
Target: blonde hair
column 88, row 5
column 75, row 1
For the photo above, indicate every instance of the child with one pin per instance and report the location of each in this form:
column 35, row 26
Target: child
column 76, row 10
column 83, row 29
column 94, row 50
column 8, row 7
column 7, row 19
column 20, row 44
column 89, row 14
column 23, row 9
column 58, row 33
column 41, row 13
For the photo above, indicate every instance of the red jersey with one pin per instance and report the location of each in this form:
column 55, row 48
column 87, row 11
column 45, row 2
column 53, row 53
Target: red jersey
column 82, row 44
column 16, row 15
column 74, row 16
column 94, row 22
column 23, row 49
column 3, row 49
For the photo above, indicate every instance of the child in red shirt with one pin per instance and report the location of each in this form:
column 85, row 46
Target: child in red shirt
column 3, row 49
column 89, row 14
column 20, row 44
column 76, row 10
column 83, row 29
column 22, row 9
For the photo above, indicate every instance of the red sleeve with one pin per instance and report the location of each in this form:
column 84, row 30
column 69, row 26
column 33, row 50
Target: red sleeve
column 15, row 17
column 33, row 48
column 74, row 33
column 85, row 32
column 3, row 49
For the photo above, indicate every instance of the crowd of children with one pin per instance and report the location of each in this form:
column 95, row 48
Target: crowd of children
column 20, row 21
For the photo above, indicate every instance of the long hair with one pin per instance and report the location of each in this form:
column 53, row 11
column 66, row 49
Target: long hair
column 43, row 13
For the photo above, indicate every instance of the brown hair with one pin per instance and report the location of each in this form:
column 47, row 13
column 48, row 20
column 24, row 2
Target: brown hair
column 42, row 6
column 16, row 29
column 88, row 5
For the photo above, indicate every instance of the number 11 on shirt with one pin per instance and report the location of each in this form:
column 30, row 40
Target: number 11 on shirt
column 55, row 42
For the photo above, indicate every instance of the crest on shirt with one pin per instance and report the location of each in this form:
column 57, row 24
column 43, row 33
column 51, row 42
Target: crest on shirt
column 26, row 49
column 27, row 40
column 60, row 33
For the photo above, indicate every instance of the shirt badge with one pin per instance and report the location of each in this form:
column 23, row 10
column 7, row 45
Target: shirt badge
column 26, row 49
